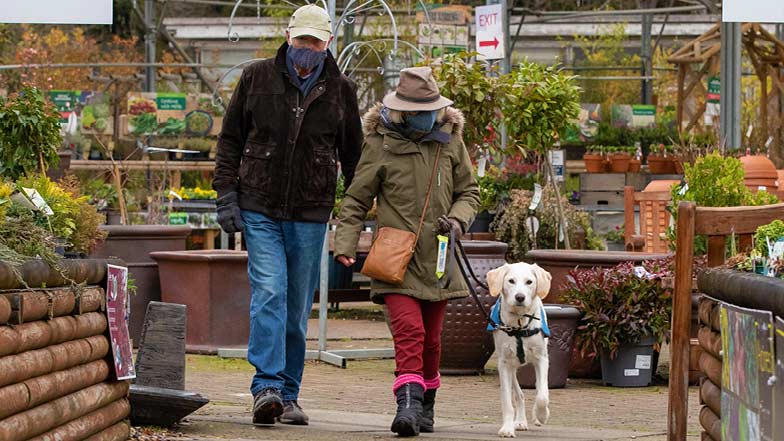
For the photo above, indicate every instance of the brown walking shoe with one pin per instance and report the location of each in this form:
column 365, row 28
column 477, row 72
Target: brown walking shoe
column 293, row 414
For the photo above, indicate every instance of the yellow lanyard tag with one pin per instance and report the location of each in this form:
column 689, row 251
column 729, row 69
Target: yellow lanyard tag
column 443, row 242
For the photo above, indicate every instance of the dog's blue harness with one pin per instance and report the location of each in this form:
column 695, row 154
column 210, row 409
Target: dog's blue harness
column 518, row 333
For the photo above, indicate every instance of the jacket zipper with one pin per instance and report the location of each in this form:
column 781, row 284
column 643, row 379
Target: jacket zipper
column 300, row 113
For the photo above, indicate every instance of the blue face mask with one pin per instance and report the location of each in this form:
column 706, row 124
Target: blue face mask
column 305, row 58
column 422, row 121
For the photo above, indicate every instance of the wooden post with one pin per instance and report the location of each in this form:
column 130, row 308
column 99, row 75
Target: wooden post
column 681, row 95
column 762, row 73
column 628, row 215
column 716, row 250
column 678, row 405
column 120, row 196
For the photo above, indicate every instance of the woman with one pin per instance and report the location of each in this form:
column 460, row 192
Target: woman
column 395, row 169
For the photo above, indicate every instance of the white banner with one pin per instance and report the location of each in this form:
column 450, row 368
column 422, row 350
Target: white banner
column 56, row 11
column 760, row 11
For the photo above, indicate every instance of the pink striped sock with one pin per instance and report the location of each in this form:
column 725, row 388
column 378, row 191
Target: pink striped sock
column 433, row 383
column 407, row 378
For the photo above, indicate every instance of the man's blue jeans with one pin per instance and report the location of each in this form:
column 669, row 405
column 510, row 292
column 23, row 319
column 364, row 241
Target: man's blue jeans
column 283, row 268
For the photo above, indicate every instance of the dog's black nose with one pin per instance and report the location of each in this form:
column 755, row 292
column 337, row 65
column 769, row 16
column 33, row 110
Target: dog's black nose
column 520, row 298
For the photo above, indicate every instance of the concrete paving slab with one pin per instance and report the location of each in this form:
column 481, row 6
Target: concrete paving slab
column 377, row 426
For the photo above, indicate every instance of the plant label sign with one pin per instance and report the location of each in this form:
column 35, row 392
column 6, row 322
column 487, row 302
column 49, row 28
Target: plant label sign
column 761, row 11
column 490, row 32
column 118, row 311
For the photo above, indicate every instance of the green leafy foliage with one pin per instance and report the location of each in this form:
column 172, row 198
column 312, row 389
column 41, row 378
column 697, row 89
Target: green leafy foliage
column 538, row 103
column 772, row 232
column 29, row 134
column 714, row 181
column 620, row 307
column 473, row 91
column 510, row 224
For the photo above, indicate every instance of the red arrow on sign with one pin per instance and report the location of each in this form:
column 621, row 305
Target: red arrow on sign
column 493, row 43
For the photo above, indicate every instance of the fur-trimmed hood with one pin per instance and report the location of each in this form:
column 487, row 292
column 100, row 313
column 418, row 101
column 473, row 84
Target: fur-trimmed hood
column 453, row 120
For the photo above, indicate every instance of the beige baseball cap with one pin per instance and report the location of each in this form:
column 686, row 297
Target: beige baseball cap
column 310, row 20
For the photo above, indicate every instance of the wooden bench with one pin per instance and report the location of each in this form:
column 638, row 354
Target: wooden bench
column 716, row 224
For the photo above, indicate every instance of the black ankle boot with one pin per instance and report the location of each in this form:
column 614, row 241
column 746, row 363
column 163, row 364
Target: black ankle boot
column 428, row 413
column 409, row 409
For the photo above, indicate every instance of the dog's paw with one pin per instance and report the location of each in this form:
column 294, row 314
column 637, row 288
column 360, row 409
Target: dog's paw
column 541, row 411
column 507, row 432
column 521, row 425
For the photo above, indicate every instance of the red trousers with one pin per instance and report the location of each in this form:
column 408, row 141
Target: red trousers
column 416, row 331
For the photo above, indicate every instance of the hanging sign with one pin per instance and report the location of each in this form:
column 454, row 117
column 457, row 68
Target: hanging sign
column 57, row 12
column 490, row 32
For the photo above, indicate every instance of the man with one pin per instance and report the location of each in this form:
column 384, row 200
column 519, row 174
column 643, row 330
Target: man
column 289, row 121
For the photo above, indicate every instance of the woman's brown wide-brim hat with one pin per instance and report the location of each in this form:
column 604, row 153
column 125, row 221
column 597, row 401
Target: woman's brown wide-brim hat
column 417, row 91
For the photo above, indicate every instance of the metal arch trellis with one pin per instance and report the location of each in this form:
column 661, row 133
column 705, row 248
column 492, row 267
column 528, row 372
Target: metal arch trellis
column 235, row 37
column 344, row 59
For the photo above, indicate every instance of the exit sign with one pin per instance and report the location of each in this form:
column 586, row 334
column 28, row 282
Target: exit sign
column 490, row 31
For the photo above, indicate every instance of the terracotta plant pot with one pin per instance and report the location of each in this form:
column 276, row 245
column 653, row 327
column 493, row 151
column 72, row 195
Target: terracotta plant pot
column 214, row 285
column 760, row 172
column 133, row 244
column 660, row 185
column 660, row 165
column 634, row 166
column 593, row 163
column 619, row 162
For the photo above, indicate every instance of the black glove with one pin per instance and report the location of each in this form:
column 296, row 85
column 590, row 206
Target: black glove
column 229, row 216
column 447, row 224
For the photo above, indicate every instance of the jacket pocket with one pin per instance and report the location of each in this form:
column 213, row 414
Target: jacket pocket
column 255, row 169
column 320, row 185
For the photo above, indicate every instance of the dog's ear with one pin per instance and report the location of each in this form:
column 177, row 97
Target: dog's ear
column 495, row 279
column 543, row 279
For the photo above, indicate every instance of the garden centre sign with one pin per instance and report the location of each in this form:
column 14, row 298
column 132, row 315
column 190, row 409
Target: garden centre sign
column 57, row 12
column 762, row 11
column 490, row 31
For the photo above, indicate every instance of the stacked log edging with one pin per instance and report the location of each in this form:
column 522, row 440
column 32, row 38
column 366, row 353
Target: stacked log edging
column 56, row 372
column 709, row 337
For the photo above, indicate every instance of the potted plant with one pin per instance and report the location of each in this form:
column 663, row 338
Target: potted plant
column 626, row 317
column 29, row 134
column 594, row 159
column 615, row 240
column 512, row 226
column 635, row 163
column 619, row 160
column 658, row 162
column 488, row 201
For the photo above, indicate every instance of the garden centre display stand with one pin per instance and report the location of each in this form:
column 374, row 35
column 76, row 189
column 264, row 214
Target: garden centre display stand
column 338, row 358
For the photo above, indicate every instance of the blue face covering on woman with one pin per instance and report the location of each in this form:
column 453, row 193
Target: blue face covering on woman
column 422, row 122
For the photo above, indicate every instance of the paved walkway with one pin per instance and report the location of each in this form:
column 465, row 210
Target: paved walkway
column 357, row 403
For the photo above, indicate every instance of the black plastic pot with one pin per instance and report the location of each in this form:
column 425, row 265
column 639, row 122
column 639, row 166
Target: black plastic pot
column 562, row 321
column 482, row 223
column 632, row 366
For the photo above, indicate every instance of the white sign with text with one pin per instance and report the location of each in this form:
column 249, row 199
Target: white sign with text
column 57, row 11
column 490, row 31
column 761, row 11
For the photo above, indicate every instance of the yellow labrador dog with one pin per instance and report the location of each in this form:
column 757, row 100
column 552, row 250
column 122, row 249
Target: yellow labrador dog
column 520, row 338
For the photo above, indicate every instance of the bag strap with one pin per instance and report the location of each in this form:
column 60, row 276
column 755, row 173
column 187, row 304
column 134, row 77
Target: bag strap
column 429, row 191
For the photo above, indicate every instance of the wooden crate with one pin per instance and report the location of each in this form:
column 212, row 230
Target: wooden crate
column 612, row 181
column 609, row 199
